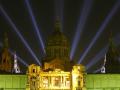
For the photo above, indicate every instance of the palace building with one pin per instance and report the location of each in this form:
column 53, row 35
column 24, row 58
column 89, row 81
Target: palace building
column 57, row 71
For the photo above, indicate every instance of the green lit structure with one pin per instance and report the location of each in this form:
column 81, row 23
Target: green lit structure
column 13, row 82
column 93, row 82
column 103, row 82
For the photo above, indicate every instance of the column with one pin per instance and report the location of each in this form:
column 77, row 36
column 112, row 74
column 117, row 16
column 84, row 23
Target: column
column 64, row 81
column 49, row 81
column 61, row 83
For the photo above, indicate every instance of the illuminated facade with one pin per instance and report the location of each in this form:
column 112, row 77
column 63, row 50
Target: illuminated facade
column 57, row 79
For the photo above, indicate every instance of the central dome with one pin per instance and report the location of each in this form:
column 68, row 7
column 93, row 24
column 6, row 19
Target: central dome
column 57, row 50
column 57, row 38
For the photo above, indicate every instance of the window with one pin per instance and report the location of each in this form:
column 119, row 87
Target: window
column 33, row 70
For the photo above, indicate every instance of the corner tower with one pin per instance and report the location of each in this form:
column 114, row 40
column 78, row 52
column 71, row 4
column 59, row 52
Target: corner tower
column 57, row 50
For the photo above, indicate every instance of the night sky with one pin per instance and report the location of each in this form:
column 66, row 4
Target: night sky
column 45, row 12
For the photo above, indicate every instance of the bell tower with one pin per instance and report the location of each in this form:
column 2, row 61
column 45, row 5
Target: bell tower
column 112, row 63
column 6, row 63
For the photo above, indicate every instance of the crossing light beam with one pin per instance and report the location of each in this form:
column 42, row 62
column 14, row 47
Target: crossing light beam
column 98, row 70
column 101, row 29
column 19, row 34
column 80, row 26
column 35, row 25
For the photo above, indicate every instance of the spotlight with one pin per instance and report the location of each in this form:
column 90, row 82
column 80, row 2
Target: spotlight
column 80, row 26
column 101, row 29
column 21, row 60
column 19, row 34
column 35, row 24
